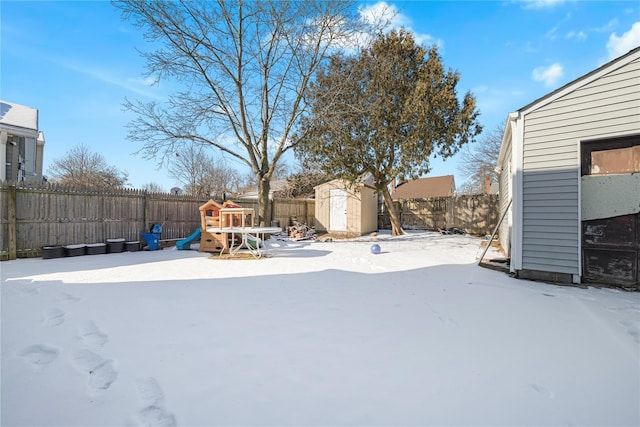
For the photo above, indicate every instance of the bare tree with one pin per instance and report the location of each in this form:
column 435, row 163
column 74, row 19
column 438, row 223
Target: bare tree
column 202, row 175
column 81, row 166
column 245, row 67
column 152, row 187
column 301, row 185
column 478, row 161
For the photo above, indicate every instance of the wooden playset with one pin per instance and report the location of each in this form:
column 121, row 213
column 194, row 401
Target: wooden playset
column 227, row 215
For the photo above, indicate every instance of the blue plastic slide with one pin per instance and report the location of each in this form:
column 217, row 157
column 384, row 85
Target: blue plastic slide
column 185, row 244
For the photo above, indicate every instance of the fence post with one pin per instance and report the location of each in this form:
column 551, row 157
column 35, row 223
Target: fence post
column 11, row 216
column 145, row 219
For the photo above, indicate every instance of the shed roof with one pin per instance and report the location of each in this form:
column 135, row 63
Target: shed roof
column 421, row 188
column 17, row 115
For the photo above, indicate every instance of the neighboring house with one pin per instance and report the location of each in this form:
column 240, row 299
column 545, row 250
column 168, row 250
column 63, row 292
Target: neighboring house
column 252, row 192
column 21, row 143
column 424, row 188
column 570, row 180
column 342, row 208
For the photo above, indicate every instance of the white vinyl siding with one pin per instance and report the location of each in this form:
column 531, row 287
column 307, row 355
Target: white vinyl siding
column 609, row 105
column 504, row 233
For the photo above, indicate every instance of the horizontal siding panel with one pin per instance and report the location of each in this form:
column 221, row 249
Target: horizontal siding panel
column 565, row 223
column 550, row 204
column 544, row 178
column 547, row 162
column 587, row 132
column 551, row 220
column 606, row 112
column 553, row 268
column 595, row 96
column 548, row 255
column 571, row 229
column 552, row 196
column 555, row 189
column 569, row 209
column 621, row 77
column 631, row 66
column 548, row 148
column 559, row 112
column 627, row 73
column 553, row 249
column 557, row 242
column 580, row 125
column 614, row 83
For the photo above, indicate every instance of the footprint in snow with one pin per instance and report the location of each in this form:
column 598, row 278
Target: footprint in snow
column 544, row 391
column 39, row 354
column 153, row 414
column 65, row 297
column 632, row 329
column 92, row 335
column 102, row 373
column 30, row 291
column 53, row 317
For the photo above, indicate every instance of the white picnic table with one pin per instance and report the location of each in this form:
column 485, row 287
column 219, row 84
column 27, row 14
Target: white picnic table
column 248, row 233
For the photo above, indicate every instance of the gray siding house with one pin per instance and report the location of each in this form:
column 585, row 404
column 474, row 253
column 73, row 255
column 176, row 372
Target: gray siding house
column 21, row 143
column 570, row 180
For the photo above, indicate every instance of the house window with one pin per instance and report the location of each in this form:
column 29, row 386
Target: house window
column 611, row 156
column 27, row 156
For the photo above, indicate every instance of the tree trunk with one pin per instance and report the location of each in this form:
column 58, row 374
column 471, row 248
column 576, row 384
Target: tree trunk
column 264, row 203
column 396, row 225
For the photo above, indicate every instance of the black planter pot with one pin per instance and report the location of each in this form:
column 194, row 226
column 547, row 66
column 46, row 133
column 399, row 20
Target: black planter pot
column 115, row 245
column 49, row 252
column 132, row 246
column 75, row 250
column 96, row 249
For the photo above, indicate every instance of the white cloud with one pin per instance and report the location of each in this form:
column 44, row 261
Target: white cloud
column 382, row 11
column 389, row 15
column 135, row 85
column 548, row 75
column 617, row 46
column 579, row 35
column 552, row 33
column 609, row 26
column 540, row 4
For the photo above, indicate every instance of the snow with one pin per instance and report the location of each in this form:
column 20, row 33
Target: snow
column 315, row 334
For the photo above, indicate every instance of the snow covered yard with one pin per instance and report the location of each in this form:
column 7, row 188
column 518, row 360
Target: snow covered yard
column 316, row 334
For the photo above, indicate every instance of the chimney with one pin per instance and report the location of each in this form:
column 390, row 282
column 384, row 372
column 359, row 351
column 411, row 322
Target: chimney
column 487, row 184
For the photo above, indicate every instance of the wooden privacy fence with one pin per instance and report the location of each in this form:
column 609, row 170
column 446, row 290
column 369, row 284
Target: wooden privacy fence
column 476, row 214
column 37, row 215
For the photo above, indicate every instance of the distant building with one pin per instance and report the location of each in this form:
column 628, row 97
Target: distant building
column 252, row 192
column 21, row 143
column 423, row 188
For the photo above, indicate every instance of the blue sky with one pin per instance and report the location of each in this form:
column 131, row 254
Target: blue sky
column 77, row 61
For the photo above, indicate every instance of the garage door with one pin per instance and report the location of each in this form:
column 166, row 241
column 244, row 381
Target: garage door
column 610, row 211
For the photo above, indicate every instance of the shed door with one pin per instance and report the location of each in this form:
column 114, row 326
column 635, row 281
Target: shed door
column 338, row 209
column 610, row 217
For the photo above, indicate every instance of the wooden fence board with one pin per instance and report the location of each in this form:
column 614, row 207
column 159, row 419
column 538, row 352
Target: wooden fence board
column 476, row 214
column 48, row 215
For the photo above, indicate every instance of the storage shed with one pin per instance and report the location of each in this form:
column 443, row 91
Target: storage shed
column 342, row 208
column 570, row 180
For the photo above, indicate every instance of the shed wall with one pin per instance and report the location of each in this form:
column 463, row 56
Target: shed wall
column 369, row 210
column 362, row 214
column 609, row 105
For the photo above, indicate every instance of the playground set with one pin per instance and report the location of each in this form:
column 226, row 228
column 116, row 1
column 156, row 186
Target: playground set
column 214, row 218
